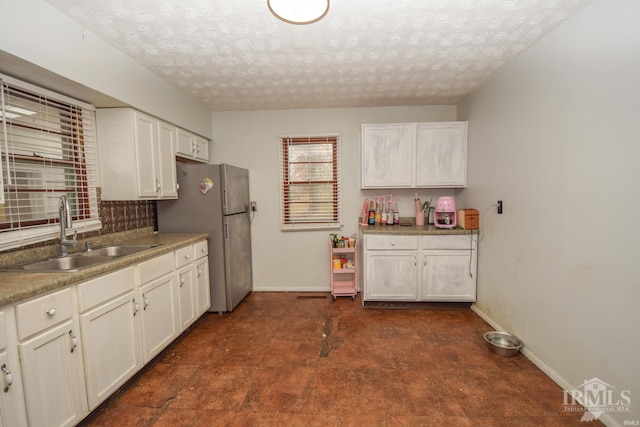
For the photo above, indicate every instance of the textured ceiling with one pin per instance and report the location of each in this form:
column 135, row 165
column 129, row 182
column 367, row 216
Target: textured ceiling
column 235, row 55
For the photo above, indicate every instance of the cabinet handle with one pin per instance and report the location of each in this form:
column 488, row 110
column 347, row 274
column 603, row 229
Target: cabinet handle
column 415, row 260
column 199, row 273
column 157, row 186
column 51, row 312
column 8, row 377
column 136, row 307
column 181, row 281
column 186, row 256
column 424, row 261
column 74, row 340
column 145, row 303
column 393, row 243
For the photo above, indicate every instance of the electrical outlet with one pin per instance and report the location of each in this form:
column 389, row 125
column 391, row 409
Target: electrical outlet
column 500, row 207
column 254, row 206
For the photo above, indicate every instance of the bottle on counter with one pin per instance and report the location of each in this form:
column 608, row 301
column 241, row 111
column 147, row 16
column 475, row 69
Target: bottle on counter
column 396, row 213
column 372, row 214
column 378, row 213
column 383, row 215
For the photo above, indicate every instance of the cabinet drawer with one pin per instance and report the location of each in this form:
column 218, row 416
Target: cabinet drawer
column 201, row 249
column 43, row 312
column 449, row 242
column 156, row 267
column 184, row 256
column 104, row 288
column 390, row 242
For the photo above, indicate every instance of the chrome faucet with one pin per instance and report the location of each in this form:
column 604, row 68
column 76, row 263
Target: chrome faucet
column 64, row 214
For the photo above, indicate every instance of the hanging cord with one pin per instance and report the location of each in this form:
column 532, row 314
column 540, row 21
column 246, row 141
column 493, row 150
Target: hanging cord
column 469, row 233
column 4, row 132
column 480, row 237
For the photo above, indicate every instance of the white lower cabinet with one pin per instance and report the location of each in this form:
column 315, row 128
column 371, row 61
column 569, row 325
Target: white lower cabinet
column 391, row 275
column 448, row 275
column 65, row 352
column 434, row 268
column 193, row 282
column 186, row 294
column 202, row 288
column 110, row 333
column 51, row 360
column 12, row 409
column 158, row 304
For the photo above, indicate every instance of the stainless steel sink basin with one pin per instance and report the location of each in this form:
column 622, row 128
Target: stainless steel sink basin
column 80, row 260
column 68, row 263
column 116, row 251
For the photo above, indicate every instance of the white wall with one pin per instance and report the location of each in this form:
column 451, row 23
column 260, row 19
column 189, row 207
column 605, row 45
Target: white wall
column 555, row 136
column 34, row 31
column 298, row 261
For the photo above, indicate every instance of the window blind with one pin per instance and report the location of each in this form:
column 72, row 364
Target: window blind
column 48, row 145
column 310, row 182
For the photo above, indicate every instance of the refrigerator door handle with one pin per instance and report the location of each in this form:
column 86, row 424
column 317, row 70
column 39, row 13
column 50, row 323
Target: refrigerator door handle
column 224, row 201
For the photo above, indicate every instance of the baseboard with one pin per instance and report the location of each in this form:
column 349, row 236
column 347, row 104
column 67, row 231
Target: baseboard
column 604, row 418
column 288, row 289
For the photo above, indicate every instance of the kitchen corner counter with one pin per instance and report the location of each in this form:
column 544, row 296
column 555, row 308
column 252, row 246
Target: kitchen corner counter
column 16, row 285
column 412, row 230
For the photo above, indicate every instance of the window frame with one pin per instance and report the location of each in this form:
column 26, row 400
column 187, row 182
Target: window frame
column 85, row 169
column 310, row 223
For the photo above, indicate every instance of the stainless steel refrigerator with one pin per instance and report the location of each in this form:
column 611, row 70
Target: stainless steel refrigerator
column 214, row 199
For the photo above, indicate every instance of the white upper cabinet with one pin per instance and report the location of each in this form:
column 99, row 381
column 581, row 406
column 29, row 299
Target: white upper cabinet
column 387, row 155
column 410, row 155
column 137, row 155
column 441, row 154
column 191, row 146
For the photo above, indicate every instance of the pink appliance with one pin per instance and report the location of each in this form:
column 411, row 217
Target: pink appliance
column 445, row 213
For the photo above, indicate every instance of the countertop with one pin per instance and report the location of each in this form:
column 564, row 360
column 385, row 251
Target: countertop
column 17, row 286
column 412, row 230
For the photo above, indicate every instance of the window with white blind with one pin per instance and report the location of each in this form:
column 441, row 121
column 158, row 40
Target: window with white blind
column 48, row 148
column 310, row 182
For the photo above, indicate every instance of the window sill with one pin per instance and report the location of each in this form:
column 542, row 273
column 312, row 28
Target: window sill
column 20, row 238
column 310, row 227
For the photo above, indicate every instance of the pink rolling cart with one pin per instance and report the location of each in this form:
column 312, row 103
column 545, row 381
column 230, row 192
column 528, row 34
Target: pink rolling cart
column 344, row 270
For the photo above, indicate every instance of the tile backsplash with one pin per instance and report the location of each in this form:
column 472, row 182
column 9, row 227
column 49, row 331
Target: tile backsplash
column 117, row 216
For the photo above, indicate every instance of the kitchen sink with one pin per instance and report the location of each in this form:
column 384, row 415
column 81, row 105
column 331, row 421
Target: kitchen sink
column 80, row 260
column 115, row 251
column 62, row 264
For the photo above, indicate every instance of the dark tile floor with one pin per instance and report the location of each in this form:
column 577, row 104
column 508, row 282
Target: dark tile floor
column 290, row 359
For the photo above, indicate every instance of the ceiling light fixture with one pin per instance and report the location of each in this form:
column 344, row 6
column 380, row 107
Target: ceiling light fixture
column 299, row 11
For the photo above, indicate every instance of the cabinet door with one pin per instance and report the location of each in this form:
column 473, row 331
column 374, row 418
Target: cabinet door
column 202, row 286
column 449, row 275
column 387, row 155
column 202, row 148
column 167, row 160
column 111, row 344
column 147, row 155
column 391, row 275
column 11, row 401
column 186, row 288
column 441, row 154
column 53, row 377
column 158, row 311
column 185, row 145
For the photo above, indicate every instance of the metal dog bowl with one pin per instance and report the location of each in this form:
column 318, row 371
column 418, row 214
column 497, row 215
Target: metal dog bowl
column 503, row 343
